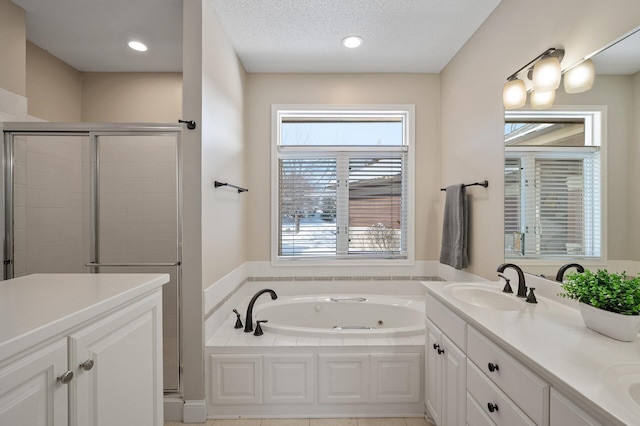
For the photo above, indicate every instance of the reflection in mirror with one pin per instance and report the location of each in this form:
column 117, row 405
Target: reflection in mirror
column 558, row 209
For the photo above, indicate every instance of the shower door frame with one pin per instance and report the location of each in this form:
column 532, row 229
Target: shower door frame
column 93, row 131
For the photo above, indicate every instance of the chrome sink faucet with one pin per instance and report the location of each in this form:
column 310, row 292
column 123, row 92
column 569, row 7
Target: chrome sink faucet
column 522, row 288
column 248, row 325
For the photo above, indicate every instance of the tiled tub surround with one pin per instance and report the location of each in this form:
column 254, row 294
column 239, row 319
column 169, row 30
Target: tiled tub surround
column 282, row 375
column 554, row 344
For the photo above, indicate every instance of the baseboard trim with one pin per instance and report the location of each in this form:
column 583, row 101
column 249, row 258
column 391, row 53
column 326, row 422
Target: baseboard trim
column 173, row 406
column 194, row 411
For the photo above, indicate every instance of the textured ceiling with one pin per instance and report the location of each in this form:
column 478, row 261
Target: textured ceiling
column 268, row 35
column 305, row 35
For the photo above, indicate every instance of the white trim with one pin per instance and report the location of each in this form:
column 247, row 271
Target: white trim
column 595, row 120
column 406, row 111
column 173, row 407
column 194, row 411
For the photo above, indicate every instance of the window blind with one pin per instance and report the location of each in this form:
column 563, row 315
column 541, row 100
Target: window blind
column 377, row 212
column 307, row 206
column 351, row 205
column 555, row 203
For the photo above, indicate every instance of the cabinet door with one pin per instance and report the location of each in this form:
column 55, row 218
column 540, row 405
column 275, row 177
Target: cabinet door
column 565, row 413
column 30, row 395
column 434, row 372
column 121, row 382
column 454, row 384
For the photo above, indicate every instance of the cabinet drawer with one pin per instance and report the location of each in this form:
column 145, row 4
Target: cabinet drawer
column 450, row 324
column 485, row 392
column 475, row 415
column 526, row 389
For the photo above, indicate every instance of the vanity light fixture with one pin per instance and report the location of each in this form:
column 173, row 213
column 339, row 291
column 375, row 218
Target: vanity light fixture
column 352, row 42
column 542, row 99
column 136, row 45
column 579, row 78
column 545, row 73
column 514, row 94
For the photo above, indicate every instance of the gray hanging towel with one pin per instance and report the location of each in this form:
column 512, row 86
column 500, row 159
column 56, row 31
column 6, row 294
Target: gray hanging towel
column 454, row 228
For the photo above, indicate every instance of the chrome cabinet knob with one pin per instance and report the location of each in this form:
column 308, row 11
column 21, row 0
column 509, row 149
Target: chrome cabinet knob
column 65, row 377
column 87, row 365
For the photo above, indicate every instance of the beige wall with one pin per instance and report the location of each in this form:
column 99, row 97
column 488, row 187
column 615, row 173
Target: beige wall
column 12, row 48
column 131, row 97
column 422, row 90
column 54, row 89
column 471, row 93
column 215, row 232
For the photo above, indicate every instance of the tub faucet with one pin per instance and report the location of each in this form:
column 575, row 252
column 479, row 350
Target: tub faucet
column 248, row 321
column 563, row 269
column 522, row 288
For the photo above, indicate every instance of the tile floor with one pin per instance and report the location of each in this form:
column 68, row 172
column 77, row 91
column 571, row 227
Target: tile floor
column 407, row 421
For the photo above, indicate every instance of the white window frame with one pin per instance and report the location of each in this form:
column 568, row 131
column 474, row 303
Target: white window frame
column 595, row 130
column 280, row 111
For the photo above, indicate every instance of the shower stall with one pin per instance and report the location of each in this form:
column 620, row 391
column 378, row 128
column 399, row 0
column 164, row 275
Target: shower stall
column 96, row 198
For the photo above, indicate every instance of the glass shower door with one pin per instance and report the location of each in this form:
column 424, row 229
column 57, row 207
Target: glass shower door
column 136, row 215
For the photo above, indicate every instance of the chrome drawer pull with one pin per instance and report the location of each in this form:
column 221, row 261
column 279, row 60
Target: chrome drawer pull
column 65, row 377
column 87, row 365
column 492, row 407
column 493, row 367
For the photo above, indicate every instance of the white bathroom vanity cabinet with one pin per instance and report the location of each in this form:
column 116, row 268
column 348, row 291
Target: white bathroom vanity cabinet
column 537, row 365
column 81, row 349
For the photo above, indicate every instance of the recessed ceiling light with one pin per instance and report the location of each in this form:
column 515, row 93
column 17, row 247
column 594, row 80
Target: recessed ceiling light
column 136, row 45
column 352, row 42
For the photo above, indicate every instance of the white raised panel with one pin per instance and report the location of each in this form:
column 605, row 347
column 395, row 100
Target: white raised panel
column 236, row 379
column 566, row 413
column 122, row 387
column 433, row 386
column 395, row 377
column 288, row 379
column 343, row 379
column 29, row 393
column 454, row 380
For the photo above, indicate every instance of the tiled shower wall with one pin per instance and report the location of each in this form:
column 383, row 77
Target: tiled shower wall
column 48, row 205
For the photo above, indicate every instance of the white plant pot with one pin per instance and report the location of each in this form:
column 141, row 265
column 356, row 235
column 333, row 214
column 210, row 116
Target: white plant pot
column 617, row 326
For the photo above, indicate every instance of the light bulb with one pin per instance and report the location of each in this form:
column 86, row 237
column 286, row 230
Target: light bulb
column 352, row 42
column 579, row 78
column 542, row 100
column 546, row 74
column 136, row 45
column 514, row 94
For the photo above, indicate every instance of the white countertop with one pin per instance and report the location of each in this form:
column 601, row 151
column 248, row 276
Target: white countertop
column 36, row 307
column 553, row 341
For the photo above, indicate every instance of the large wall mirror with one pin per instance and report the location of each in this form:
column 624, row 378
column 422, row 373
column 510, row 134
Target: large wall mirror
column 572, row 172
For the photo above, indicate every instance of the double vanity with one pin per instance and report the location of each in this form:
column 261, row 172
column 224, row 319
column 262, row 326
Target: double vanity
column 494, row 359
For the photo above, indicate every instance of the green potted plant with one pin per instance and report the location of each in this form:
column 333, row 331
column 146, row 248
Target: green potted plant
column 609, row 302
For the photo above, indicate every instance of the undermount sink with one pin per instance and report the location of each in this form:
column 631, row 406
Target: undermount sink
column 484, row 297
column 624, row 381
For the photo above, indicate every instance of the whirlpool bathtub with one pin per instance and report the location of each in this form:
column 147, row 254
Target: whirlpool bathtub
column 343, row 315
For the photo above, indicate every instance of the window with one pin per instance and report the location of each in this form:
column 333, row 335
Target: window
column 342, row 185
column 552, row 189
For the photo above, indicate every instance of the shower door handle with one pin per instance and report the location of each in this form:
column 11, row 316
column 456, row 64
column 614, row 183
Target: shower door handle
column 94, row 264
